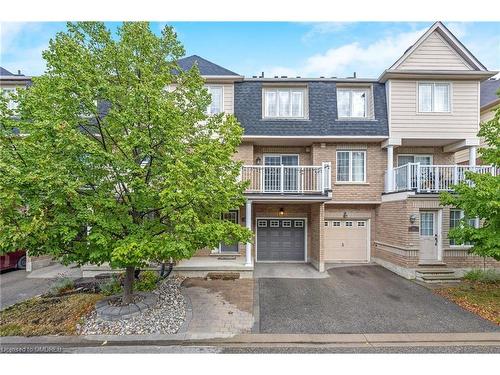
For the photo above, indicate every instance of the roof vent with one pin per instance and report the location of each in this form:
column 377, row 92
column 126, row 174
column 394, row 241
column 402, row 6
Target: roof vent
column 284, row 77
column 276, row 77
column 297, row 77
column 321, row 77
column 333, row 77
column 354, row 76
column 254, row 76
column 262, row 76
column 18, row 72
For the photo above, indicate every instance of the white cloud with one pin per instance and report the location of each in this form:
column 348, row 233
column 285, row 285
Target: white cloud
column 321, row 28
column 367, row 61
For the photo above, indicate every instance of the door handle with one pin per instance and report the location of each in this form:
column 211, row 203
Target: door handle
column 435, row 240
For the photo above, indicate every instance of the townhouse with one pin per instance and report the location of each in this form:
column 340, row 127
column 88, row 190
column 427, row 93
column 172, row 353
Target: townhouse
column 350, row 170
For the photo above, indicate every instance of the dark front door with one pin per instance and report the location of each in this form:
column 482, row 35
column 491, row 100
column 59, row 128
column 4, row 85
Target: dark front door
column 231, row 216
column 281, row 240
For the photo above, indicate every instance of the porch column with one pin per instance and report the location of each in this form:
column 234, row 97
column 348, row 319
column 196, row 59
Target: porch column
column 390, row 161
column 472, row 155
column 248, row 224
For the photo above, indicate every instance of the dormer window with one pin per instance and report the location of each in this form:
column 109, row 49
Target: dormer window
column 216, row 106
column 284, row 102
column 352, row 102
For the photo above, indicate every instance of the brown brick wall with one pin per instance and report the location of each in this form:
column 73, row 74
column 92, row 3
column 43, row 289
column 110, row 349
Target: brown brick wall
column 303, row 152
column 317, row 253
column 245, row 153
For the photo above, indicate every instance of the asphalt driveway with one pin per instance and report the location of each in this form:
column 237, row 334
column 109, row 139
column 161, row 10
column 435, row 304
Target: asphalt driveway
column 359, row 299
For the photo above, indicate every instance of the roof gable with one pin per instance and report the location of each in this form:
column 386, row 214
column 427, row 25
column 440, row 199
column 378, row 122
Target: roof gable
column 207, row 68
column 438, row 49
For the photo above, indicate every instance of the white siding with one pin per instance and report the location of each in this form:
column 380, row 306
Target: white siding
column 434, row 54
column 228, row 90
column 460, row 123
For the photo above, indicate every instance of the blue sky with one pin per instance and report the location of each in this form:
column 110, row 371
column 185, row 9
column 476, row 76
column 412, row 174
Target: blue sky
column 277, row 48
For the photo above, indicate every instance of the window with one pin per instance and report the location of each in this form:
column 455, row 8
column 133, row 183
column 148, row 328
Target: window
column 352, row 103
column 298, row 224
column 426, row 224
column 326, row 224
column 455, row 217
column 422, row 159
column 284, row 102
column 434, row 97
column 286, row 223
column 351, row 166
column 274, row 223
column 361, row 223
column 7, row 92
column 216, row 106
column 348, row 223
column 336, row 223
column 262, row 223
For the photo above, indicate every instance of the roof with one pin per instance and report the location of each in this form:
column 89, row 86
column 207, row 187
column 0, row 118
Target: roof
column 5, row 73
column 489, row 92
column 207, row 68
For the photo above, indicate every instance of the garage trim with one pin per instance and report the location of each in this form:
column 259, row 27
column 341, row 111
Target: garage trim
column 368, row 235
column 281, row 218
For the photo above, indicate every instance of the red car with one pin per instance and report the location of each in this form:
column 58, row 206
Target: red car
column 15, row 260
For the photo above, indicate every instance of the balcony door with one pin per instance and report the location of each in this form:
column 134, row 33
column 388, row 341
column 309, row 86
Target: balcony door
column 272, row 173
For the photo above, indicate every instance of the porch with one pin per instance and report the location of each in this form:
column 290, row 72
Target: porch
column 430, row 178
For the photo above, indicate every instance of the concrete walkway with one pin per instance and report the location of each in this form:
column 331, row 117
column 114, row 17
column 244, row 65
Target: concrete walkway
column 287, row 271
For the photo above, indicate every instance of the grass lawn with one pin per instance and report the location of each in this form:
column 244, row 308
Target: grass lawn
column 47, row 316
column 482, row 299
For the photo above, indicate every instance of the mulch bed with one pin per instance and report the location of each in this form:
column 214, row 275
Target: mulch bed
column 482, row 299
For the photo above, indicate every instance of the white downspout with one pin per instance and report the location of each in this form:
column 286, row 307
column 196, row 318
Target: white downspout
column 248, row 224
column 390, row 158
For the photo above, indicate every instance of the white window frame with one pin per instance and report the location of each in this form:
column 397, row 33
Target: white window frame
column 366, row 91
column 462, row 214
column 7, row 91
column 433, row 84
column 350, row 181
column 277, row 90
column 413, row 155
column 221, row 87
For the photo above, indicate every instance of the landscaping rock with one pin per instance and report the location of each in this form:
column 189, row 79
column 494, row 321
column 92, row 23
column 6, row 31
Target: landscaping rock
column 165, row 317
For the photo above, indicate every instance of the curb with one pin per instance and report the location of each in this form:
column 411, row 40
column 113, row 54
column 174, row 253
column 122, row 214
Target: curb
column 192, row 339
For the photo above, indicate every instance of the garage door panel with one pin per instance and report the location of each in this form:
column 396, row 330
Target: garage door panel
column 346, row 242
column 279, row 242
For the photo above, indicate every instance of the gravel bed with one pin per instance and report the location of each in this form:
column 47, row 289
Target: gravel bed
column 165, row 317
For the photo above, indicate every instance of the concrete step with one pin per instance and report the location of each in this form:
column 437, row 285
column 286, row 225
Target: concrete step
column 433, row 278
column 435, row 271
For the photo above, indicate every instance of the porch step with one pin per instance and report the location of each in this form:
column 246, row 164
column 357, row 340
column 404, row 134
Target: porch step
column 436, row 274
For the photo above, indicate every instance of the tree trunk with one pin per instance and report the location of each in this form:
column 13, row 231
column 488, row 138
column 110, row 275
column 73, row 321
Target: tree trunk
column 128, row 285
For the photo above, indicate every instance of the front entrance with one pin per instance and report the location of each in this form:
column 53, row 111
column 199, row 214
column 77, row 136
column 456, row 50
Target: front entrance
column 429, row 237
column 231, row 216
column 281, row 240
column 346, row 241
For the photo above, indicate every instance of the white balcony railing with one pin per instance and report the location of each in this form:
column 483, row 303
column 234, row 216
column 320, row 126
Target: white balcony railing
column 432, row 178
column 284, row 179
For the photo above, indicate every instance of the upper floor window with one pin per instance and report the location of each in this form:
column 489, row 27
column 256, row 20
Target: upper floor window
column 7, row 92
column 351, row 166
column 433, row 97
column 284, row 102
column 422, row 159
column 216, row 106
column 352, row 102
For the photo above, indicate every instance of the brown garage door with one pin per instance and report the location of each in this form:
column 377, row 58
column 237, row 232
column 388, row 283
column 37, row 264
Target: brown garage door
column 346, row 241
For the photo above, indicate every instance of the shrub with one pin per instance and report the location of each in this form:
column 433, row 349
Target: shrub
column 484, row 276
column 110, row 286
column 147, row 281
column 61, row 285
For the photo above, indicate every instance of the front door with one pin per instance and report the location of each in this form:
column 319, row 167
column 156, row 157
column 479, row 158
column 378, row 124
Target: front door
column 272, row 174
column 231, row 216
column 428, row 237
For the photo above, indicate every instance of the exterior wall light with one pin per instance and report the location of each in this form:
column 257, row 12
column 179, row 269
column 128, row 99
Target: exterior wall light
column 282, row 211
column 345, row 215
column 258, row 161
column 413, row 218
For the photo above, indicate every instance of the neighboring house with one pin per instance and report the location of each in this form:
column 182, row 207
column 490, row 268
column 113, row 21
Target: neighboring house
column 490, row 102
column 350, row 170
column 10, row 83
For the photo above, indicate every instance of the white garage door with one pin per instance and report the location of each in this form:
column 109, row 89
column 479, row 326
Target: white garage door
column 346, row 241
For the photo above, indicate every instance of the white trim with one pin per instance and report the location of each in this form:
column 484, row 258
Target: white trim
column 374, row 137
column 281, row 218
column 367, row 227
column 208, row 86
column 277, row 89
column 366, row 90
column 350, row 181
column 280, row 155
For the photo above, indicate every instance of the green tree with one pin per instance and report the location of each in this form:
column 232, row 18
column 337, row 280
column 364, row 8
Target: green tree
column 117, row 162
column 481, row 198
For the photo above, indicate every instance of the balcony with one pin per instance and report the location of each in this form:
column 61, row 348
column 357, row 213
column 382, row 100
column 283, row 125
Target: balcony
column 431, row 178
column 287, row 179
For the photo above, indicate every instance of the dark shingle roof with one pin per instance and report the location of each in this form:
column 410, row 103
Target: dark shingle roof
column 5, row 72
column 489, row 91
column 206, row 67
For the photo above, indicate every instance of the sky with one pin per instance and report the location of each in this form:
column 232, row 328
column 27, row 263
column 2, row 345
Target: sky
column 329, row 49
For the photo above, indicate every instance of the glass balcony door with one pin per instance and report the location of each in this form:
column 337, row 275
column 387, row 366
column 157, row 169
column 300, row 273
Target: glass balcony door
column 273, row 170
